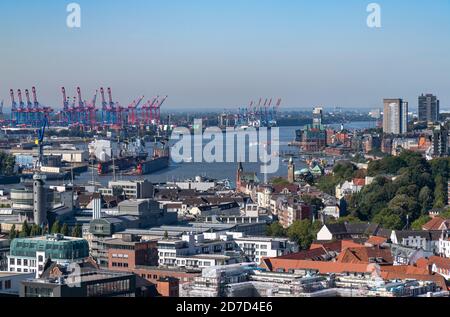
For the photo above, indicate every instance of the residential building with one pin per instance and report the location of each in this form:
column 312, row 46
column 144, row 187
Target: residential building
column 395, row 116
column 436, row 264
column 349, row 188
column 339, row 231
column 428, row 108
column 407, row 255
column 292, row 208
column 440, row 141
column 257, row 248
column 444, row 245
column 426, row 240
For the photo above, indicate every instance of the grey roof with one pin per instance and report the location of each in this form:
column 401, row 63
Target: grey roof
column 429, row 235
column 354, row 228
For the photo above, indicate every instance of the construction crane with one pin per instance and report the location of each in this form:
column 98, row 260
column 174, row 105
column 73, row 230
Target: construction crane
column 30, row 110
column 14, row 113
column 92, row 111
column 104, row 105
column 132, row 110
column 157, row 109
column 148, row 110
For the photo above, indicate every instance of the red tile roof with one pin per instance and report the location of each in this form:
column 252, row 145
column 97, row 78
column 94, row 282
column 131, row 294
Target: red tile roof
column 434, row 224
column 336, row 246
column 443, row 263
column 366, row 255
column 375, row 240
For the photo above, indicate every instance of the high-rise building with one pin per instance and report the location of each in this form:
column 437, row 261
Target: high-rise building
column 395, row 116
column 428, row 108
column 440, row 141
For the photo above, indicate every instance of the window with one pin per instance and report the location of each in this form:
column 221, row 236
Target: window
column 19, row 262
column 25, row 262
column 1, row 285
column 8, row 284
column 11, row 261
column 40, row 258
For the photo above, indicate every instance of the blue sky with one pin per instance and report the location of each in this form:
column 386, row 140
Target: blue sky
column 223, row 53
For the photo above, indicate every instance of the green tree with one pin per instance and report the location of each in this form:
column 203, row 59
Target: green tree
column 65, row 229
column 25, row 232
column 76, row 231
column 12, row 232
column 35, row 231
column 425, row 199
column 419, row 222
column 440, row 196
column 389, row 220
column 56, row 227
column 346, row 219
column 275, row 230
column 302, row 232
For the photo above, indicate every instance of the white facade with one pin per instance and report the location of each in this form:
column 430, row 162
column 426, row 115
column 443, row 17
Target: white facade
column 444, row 247
column 347, row 188
column 415, row 240
column 214, row 245
column 256, row 248
column 10, row 282
column 324, row 234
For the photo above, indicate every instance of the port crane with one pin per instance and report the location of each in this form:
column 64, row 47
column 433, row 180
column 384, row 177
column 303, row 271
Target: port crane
column 40, row 142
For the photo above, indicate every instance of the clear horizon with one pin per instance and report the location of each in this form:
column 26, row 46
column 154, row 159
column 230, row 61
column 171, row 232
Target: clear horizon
column 223, row 54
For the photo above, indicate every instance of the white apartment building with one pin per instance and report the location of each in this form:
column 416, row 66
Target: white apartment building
column 206, row 249
column 256, row 248
column 444, row 247
column 426, row 240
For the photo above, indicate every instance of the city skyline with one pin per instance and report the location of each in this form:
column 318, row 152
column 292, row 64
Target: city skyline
column 217, row 55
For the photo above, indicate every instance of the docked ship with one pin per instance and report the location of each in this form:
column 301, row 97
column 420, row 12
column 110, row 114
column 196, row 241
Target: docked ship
column 130, row 155
column 159, row 161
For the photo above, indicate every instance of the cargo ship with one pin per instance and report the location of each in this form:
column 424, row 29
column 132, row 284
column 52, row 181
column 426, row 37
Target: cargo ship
column 134, row 157
column 159, row 161
column 118, row 164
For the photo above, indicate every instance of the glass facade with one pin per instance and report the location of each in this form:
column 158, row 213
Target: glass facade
column 55, row 249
